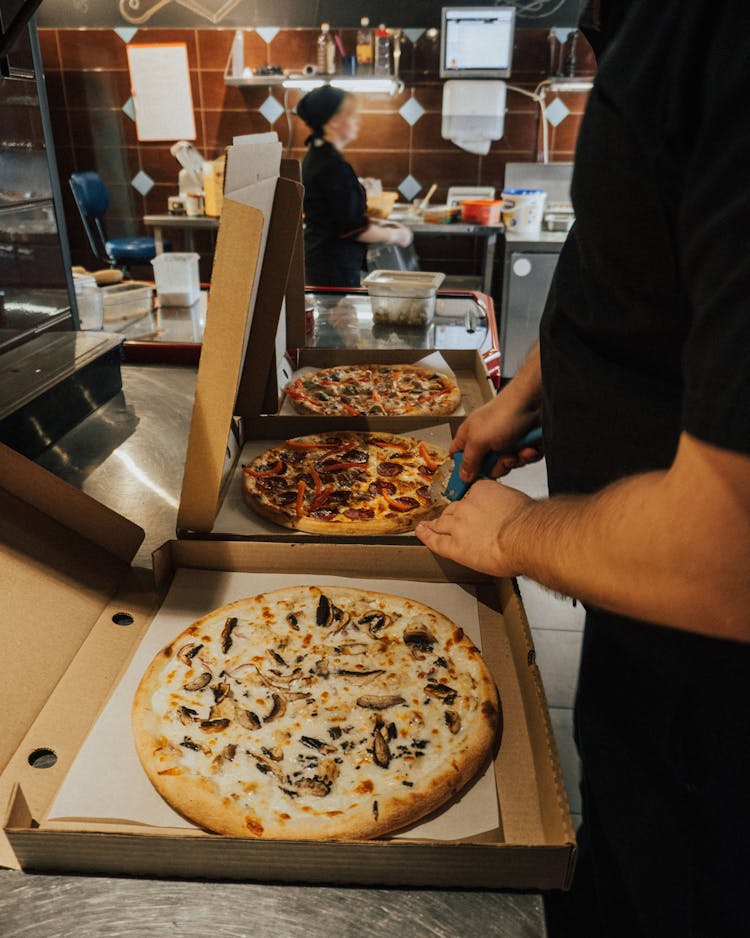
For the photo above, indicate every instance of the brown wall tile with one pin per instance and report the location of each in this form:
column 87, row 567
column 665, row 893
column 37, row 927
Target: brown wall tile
column 48, row 46
column 383, row 132
column 91, row 48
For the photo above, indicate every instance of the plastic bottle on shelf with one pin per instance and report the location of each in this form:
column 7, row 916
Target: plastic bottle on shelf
column 326, row 51
column 382, row 51
column 238, row 54
column 364, row 47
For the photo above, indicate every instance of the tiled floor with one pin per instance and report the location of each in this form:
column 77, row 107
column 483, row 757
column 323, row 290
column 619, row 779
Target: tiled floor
column 557, row 627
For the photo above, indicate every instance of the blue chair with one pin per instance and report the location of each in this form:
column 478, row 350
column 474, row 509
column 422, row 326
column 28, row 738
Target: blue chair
column 92, row 201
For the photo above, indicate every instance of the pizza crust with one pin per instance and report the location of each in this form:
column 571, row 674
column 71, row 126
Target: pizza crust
column 342, row 814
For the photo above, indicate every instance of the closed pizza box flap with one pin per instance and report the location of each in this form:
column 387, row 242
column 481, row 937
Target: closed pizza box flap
column 259, row 238
column 535, row 849
column 63, row 555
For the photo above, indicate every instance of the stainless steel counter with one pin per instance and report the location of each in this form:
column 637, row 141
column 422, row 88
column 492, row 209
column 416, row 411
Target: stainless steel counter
column 129, row 455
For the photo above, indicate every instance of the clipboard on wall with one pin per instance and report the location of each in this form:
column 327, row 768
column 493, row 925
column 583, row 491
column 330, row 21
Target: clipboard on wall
column 162, row 95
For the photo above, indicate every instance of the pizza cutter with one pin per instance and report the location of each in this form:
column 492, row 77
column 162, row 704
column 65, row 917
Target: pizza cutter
column 456, row 488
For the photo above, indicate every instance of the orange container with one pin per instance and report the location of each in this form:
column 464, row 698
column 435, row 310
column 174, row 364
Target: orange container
column 482, row 211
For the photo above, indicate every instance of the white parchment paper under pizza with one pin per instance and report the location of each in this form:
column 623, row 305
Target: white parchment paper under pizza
column 234, row 516
column 106, row 781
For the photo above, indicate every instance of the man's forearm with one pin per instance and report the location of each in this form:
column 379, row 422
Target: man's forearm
column 526, row 385
column 639, row 548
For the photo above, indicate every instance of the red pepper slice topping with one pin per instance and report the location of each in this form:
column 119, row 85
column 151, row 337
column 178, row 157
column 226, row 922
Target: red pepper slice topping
column 351, row 410
column 404, row 503
column 321, row 498
column 427, row 459
column 316, row 479
column 261, row 473
column 299, row 505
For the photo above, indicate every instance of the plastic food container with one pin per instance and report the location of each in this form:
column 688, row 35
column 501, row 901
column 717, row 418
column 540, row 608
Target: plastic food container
column 523, row 211
column 442, row 215
column 381, row 205
column 177, row 278
column 89, row 302
column 126, row 301
column 482, row 211
column 403, row 297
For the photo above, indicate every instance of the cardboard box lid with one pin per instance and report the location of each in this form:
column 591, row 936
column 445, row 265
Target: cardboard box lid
column 259, row 239
column 62, row 554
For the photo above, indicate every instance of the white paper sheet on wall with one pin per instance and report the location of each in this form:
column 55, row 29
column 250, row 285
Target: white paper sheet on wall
column 160, row 84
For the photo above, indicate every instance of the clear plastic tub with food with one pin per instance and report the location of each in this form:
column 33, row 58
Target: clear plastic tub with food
column 403, row 297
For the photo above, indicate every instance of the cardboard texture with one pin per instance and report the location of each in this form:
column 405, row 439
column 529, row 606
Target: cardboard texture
column 535, row 849
column 253, row 192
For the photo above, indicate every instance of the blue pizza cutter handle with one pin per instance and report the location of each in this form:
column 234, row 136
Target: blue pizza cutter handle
column 457, row 488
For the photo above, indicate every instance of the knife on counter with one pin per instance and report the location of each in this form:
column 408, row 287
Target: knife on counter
column 456, row 488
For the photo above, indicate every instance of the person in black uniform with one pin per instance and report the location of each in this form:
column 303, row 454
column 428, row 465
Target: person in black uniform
column 337, row 229
column 641, row 380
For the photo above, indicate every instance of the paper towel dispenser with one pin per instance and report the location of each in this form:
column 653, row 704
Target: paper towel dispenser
column 473, row 113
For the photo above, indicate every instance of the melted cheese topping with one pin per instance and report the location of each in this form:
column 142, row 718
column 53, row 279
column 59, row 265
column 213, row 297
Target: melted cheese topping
column 318, row 706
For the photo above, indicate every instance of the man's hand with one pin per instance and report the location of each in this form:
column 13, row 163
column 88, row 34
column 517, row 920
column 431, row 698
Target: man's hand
column 470, row 531
column 499, row 424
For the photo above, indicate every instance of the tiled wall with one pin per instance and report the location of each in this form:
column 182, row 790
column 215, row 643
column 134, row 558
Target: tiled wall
column 88, row 84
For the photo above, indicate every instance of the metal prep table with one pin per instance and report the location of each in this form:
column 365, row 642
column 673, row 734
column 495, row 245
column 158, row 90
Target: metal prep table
column 129, row 454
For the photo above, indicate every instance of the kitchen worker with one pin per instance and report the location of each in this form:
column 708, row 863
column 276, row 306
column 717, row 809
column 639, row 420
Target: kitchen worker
column 641, row 381
column 337, row 229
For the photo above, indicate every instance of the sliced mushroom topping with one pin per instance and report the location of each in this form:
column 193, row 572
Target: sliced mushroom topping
column 334, row 732
column 360, row 677
column 277, row 658
column 221, row 711
column 268, row 764
column 419, row 636
column 229, row 752
column 221, row 691
column 442, row 692
column 312, row 743
column 340, row 619
column 188, row 652
column 187, row 743
column 277, row 753
column 380, row 703
column 292, row 621
column 214, row 726
column 246, row 718
column 324, row 612
column 453, row 721
column 352, row 648
column 297, row 695
column 186, row 715
column 375, row 621
column 226, row 634
column 380, row 751
column 278, row 708
column 321, row 667
column 199, row 682
column 313, row 786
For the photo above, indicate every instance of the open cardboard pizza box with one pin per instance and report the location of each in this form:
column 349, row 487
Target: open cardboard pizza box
column 76, row 612
column 256, row 312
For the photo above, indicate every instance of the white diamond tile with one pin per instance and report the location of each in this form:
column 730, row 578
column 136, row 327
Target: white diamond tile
column 129, row 108
column 142, row 182
column 267, row 33
column 413, row 35
column 409, row 187
column 126, row 33
column 271, row 109
column 411, row 111
column 556, row 112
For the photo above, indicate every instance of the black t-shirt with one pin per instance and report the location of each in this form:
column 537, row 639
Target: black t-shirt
column 646, row 332
column 647, row 328
column 335, row 213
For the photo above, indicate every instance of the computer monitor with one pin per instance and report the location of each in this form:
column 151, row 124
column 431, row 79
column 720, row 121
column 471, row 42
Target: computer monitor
column 476, row 42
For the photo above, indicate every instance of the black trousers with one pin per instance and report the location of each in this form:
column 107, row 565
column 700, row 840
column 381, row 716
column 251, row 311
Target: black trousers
column 662, row 725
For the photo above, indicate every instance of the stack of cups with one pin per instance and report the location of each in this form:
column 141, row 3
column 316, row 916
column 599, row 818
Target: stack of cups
column 523, row 210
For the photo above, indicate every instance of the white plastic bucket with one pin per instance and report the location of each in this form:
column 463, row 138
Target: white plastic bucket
column 523, row 210
column 177, row 278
